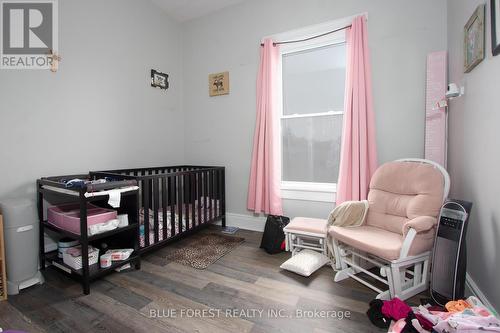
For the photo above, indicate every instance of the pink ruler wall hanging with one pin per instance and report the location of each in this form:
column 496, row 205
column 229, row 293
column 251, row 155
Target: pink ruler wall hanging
column 435, row 117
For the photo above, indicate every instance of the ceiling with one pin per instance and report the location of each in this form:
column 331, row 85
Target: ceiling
column 185, row 10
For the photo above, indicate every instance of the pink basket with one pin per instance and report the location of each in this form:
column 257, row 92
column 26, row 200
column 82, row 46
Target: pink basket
column 67, row 217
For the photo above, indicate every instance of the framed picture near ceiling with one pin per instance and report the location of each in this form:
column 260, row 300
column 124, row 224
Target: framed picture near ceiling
column 474, row 39
column 159, row 80
column 218, row 84
column 495, row 27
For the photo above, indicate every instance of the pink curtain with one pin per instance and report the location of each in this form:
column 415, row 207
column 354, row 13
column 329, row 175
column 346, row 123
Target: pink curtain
column 265, row 175
column 358, row 159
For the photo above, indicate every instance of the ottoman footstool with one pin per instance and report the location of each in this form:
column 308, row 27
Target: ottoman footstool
column 306, row 233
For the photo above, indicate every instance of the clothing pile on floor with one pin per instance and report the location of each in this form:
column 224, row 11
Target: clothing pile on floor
column 462, row 316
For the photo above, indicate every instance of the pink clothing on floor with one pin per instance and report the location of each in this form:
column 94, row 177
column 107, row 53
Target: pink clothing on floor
column 397, row 326
column 395, row 309
column 426, row 324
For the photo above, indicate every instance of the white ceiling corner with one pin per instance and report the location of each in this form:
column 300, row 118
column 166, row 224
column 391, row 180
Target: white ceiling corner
column 185, row 10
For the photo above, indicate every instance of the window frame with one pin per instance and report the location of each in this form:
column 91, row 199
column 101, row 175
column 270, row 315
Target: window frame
column 293, row 190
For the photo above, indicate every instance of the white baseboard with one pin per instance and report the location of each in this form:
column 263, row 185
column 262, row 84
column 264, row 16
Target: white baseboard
column 473, row 287
column 247, row 222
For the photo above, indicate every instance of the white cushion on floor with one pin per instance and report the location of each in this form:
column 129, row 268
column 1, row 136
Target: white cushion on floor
column 305, row 262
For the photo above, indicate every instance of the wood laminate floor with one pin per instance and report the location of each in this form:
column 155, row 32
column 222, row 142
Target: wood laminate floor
column 245, row 291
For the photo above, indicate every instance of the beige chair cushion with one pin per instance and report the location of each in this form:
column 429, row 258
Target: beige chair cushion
column 379, row 242
column 307, row 224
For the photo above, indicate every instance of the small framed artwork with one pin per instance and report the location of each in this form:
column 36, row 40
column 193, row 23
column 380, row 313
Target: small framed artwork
column 218, row 84
column 159, row 80
column 495, row 27
column 474, row 39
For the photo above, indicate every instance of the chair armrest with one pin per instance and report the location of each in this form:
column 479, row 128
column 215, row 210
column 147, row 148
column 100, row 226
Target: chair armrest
column 420, row 224
column 412, row 228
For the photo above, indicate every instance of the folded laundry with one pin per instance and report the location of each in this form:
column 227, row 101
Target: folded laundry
column 467, row 323
column 397, row 326
column 424, row 312
column 103, row 227
column 76, row 251
column 120, row 254
column 474, row 317
column 424, row 322
column 457, row 306
column 418, row 326
column 435, row 308
column 465, row 316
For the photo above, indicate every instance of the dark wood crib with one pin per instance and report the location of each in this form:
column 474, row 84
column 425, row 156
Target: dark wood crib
column 175, row 201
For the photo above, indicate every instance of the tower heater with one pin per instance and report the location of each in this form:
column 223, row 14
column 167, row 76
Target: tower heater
column 449, row 258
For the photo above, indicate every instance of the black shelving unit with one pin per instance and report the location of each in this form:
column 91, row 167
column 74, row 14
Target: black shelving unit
column 52, row 190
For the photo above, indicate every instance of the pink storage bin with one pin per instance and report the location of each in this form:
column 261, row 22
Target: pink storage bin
column 67, row 217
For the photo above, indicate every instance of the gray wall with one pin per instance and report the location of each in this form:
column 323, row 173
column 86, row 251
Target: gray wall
column 98, row 111
column 219, row 130
column 474, row 153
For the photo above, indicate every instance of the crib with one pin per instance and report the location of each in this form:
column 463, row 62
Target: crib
column 175, row 201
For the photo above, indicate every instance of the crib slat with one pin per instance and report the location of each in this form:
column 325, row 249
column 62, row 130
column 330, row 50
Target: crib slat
column 219, row 189
column 223, row 197
column 180, row 202
column 171, row 184
column 187, row 194
column 156, row 206
column 205, row 194
column 164, row 204
column 222, row 190
column 198, row 195
column 217, row 193
column 211, row 193
column 192, row 198
column 146, row 201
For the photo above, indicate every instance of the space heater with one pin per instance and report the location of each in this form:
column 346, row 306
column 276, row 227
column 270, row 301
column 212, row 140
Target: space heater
column 449, row 258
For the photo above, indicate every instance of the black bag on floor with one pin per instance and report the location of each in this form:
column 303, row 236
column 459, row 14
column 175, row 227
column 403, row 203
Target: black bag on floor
column 273, row 235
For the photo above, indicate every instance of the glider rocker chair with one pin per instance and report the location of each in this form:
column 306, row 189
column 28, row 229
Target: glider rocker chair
column 398, row 233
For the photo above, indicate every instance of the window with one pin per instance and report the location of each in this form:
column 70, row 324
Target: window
column 313, row 86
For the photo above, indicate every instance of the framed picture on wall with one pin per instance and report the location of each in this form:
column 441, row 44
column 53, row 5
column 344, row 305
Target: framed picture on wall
column 495, row 27
column 159, row 80
column 218, row 84
column 474, row 39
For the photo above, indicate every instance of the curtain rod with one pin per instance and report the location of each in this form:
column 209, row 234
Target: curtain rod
column 309, row 38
